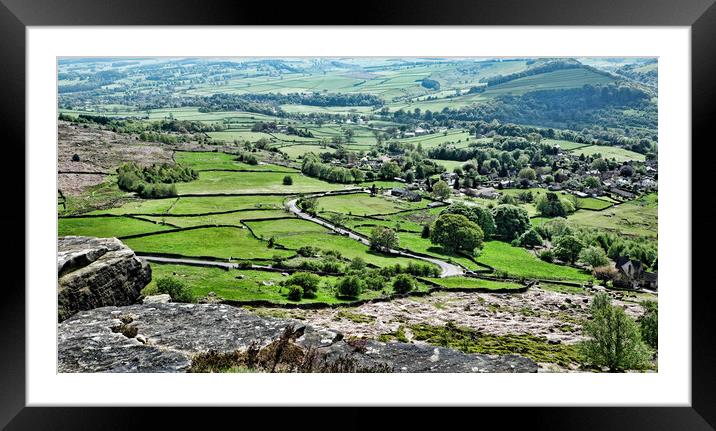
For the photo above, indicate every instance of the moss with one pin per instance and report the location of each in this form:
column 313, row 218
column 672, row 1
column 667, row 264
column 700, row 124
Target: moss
column 354, row 317
column 398, row 335
column 471, row 341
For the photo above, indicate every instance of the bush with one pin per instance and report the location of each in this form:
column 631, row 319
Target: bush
column 615, row 341
column 75, row 158
column 175, row 288
column 357, row 264
column 307, row 251
column 295, row 293
column 350, row 286
column 287, row 180
column 306, row 281
column 374, row 282
column 403, row 283
column 547, row 256
column 332, row 265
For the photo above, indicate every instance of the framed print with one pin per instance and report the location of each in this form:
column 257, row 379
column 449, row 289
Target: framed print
column 418, row 207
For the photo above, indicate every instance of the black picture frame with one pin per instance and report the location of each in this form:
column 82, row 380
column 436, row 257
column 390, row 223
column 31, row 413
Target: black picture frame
column 16, row 15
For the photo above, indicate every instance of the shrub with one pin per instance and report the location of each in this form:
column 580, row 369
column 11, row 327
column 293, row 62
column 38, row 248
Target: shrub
column 403, row 283
column 374, row 282
column 615, row 341
column 295, row 293
column 287, row 180
column 75, row 158
column 307, row 251
column 306, row 281
column 357, row 264
column 547, row 256
column 178, row 291
column 332, row 265
column 349, row 286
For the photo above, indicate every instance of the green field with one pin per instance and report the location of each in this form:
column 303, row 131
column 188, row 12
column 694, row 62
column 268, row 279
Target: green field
column 364, row 204
column 218, row 242
column 253, row 182
column 296, row 151
column 230, row 219
column 296, row 233
column 618, row 154
column 106, row 227
column 201, row 161
column 518, row 262
column 637, row 217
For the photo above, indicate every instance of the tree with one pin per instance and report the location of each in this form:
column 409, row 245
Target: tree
column 389, row 170
column 591, row 182
column 510, row 221
column 308, row 205
column 649, row 324
column 383, row 239
column 75, row 158
column 568, row 248
column 456, row 233
column 287, row 180
column 549, row 205
column 615, row 341
column 350, row 286
column 530, row 239
column 600, row 165
column 593, row 256
column 527, row 174
column 441, row 190
column 403, row 283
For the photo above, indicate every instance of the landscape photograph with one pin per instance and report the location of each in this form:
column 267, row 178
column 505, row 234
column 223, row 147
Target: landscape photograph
column 357, row 215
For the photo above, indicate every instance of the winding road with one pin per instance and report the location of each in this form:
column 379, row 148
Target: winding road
column 447, row 269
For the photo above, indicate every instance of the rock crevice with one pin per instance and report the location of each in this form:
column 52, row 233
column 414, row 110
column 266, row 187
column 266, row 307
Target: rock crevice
column 96, row 272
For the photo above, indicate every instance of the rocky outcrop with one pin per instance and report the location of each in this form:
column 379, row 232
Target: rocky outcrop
column 96, row 272
column 166, row 337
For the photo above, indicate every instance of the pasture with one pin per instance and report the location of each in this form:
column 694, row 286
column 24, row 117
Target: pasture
column 106, row 227
column 364, row 204
column 217, row 242
column 616, row 153
column 210, row 182
column 634, row 218
column 518, row 262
